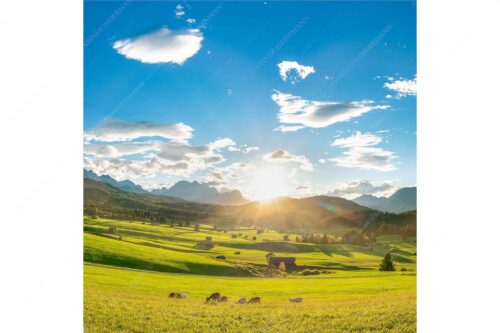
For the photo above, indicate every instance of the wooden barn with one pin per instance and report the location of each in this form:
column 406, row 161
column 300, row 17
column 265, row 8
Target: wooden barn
column 289, row 261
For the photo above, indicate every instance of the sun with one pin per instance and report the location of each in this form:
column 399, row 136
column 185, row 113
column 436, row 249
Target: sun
column 269, row 183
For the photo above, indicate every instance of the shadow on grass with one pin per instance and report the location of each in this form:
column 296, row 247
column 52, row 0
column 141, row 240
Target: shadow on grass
column 189, row 268
column 329, row 250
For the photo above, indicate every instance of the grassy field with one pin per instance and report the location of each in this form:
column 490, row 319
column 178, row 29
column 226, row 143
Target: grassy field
column 127, row 281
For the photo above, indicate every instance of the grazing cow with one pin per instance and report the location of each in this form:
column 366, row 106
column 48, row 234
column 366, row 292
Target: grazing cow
column 242, row 301
column 182, row 295
column 215, row 297
column 172, row 295
column 254, row 300
column 296, row 300
column 223, row 299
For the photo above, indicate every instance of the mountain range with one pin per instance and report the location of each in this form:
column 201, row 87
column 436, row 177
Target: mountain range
column 192, row 191
column 124, row 185
column 312, row 214
column 317, row 213
column 202, row 192
column 404, row 199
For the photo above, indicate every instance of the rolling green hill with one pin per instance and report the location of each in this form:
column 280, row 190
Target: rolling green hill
column 131, row 267
column 176, row 249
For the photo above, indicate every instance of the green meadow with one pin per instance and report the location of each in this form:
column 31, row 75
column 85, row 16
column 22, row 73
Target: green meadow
column 130, row 271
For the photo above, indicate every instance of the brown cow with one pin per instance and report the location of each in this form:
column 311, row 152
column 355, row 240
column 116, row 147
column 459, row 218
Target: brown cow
column 215, row 297
column 296, row 300
column 254, row 300
column 172, row 295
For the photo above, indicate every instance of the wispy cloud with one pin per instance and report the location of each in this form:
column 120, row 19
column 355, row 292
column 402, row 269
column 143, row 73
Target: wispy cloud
column 402, row 87
column 284, row 156
column 179, row 10
column 316, row 114
column 161, row 46
column 361, row 154
column 243, row 148
column 283, row 128
column 293, row 71
column 358, row 139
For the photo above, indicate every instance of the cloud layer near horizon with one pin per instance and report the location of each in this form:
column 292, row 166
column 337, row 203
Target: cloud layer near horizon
column 356, row 188
column 115, row 148
column 161, row 46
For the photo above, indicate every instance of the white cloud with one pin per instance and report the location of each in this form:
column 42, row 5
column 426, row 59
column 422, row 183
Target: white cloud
column 161, row 46
column 120, row 149
column 402, row 87
column 119, row 168
column 322, row 161
column 172, row 158
column 198, row 157
column 283, row 128
column 223, row 176
column 119, row 130
column 245, row 149
column 248, row 149
column 191, row 21
column 316, row 114
column 361, row 155
column 358, row 139
column 155, row 186
column 284, row 156
column 293, row 71
column 355, row 188
column 179, row 10
column 367, row 158
column 106, row 144
column 223, row 143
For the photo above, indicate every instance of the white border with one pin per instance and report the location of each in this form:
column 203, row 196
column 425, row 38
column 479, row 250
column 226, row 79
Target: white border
column 458, row 166
column 41, row 169
column 41, row 104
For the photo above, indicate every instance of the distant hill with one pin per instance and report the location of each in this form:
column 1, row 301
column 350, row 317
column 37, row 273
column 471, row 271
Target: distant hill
column 202, row 192
column 370, row 201
column 105, row 200
column 124, row 185
column 403, row 200
column 312, row 213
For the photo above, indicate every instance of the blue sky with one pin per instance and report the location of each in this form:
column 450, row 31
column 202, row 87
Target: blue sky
column 192, row 90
